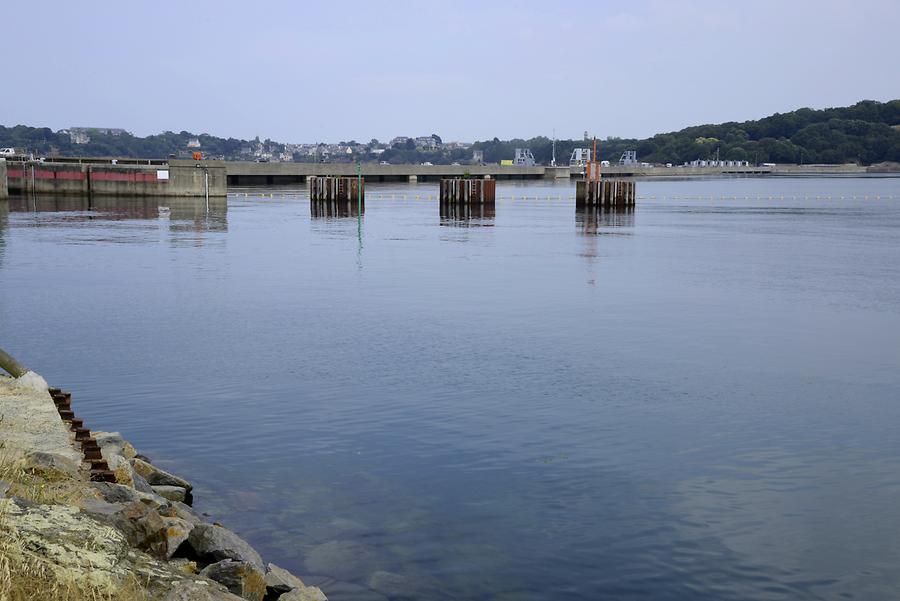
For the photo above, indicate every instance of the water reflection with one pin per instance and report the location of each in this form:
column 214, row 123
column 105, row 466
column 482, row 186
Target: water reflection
column 594, row 220
column 183, row 214
column 467, row 215
column 196, row 215
column 110, row 208
column 330, row 209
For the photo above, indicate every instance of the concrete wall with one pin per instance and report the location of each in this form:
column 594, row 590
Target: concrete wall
column 4, row 187
column 116, row 180
column 250, row 173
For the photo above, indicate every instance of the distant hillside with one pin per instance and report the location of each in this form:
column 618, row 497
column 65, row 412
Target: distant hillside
column 867, row 132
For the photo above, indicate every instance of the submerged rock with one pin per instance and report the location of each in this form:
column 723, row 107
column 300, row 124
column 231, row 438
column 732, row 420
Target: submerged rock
column 392, row 585
column 158, row 477
column 239, row 577
column 216, row 543
column 341, row 559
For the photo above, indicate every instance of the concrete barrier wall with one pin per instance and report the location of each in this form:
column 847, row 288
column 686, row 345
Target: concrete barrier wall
column 115, row 180
column 4, row 186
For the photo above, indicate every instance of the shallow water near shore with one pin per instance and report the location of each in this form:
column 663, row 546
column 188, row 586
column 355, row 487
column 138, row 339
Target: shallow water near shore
column 696, row 399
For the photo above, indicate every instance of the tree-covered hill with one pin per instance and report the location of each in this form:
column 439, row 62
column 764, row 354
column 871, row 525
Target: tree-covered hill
column 867, row 132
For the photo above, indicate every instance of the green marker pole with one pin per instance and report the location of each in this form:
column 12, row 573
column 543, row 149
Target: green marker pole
column 359, row 187
column 359, row 202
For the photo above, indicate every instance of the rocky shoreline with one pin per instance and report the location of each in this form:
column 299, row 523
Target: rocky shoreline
column 134, row 527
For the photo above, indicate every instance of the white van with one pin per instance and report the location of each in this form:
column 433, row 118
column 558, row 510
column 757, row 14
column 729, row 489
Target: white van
column 7, row 152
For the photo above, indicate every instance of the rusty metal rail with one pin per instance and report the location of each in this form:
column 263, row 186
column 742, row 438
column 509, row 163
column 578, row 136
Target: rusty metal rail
column 100, row 471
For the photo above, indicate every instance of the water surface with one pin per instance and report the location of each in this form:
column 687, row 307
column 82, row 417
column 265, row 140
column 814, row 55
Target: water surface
column 697, row 399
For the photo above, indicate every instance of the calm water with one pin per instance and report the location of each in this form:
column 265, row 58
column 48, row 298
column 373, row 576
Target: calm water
column 697, row 400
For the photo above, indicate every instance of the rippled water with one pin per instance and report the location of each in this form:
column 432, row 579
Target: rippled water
column 699, row 399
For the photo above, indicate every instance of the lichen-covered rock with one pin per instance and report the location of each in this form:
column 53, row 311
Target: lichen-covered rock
column 171, row 493
column 50, row 465
column 88, row 548
column 176, row 532
column 239, row 577
column 116, row 493
column 158, row 477
column 216, row 543
column 279, row 580
column 142, row 526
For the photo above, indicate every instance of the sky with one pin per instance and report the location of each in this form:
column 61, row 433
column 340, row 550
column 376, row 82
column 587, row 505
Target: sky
column 331, row 71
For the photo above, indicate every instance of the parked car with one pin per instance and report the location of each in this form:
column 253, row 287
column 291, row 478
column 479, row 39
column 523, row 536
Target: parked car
column 7, row 152
column 384, row 163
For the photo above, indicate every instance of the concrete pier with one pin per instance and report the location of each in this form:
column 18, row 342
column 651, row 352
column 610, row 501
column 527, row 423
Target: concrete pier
column 4, row 185
column 337, row 188
column 468, row 191
column 605, row 193
column 111, row 179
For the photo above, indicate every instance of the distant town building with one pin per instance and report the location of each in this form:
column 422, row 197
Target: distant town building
column 426, row 142
column 399, row 141
column 107, row 131
column 478, row 157
column 193, row 143
column 79, row 137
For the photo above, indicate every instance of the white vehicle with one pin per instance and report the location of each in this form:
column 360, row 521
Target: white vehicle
column 428, row 164
column 7, row 152
column 384, row 163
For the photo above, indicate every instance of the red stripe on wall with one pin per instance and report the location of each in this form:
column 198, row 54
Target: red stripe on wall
column 114, row 176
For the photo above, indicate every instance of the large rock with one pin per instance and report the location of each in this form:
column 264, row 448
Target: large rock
column 116, row 493
column 176, row 532
column 307, row 593
column 110, row 443
column 191, row 590
column 171, row 493
column 239, row 577
column 50, row 466
column 4, row 488
column 279, row 580
column 176, row 509
column 72, row 543
column 142, row 526
column 215, row 543
column 158, row 477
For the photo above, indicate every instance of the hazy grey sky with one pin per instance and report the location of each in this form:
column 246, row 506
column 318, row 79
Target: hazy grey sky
column 305, row 71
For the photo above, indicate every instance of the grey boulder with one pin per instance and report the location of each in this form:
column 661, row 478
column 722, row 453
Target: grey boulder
column 158, row 477
column 239, row 577
column 215, row 543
